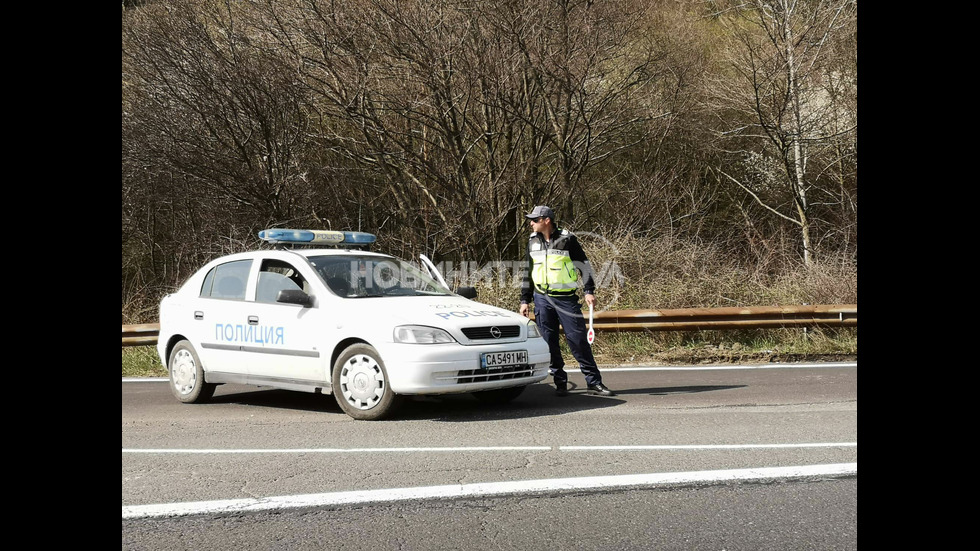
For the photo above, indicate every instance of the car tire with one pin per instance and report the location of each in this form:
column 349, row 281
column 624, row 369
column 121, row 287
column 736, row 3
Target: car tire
column 499, row 395
column 361, row 386
column 187, row 375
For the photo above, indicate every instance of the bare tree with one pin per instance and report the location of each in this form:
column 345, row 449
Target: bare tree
column 221, row 112
column 775, row 117
column 470, row 112
column 438, row 123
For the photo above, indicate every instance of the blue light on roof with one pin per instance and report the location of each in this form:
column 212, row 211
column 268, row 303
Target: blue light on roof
column 359, row 237
column 314, row 237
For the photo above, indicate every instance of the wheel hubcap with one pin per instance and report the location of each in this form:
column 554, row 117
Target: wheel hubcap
column 362, row 382
column 183, row 372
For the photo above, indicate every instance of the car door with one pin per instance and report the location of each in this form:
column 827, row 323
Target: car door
column 220, row 318
column 285, row 345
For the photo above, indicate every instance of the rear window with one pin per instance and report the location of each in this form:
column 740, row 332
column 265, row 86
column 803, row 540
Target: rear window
column 227, row 280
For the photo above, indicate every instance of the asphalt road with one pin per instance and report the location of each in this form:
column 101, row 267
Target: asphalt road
column 747, row 457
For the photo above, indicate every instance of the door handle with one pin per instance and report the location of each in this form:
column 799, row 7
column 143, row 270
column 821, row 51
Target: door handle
column 198, row 315
column 253, row 320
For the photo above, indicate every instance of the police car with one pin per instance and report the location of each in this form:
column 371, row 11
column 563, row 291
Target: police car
column 331, row 317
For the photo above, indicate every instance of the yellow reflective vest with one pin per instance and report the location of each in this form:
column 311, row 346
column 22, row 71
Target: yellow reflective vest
column 552, row 269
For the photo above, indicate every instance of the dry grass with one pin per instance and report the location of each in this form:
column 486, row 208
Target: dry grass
column 666, row 274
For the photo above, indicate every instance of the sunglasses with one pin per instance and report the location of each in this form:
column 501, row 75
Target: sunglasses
column 538, row 219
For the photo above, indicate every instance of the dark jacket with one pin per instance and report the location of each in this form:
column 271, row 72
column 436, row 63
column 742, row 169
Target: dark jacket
column 562, row 240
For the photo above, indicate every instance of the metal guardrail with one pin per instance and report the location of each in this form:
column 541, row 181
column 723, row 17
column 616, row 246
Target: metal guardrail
column 140, row 334
column 755, row 317
column 681, row 319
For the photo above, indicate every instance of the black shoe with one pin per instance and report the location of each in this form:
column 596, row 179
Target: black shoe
column 561, row 389
column 601, row 390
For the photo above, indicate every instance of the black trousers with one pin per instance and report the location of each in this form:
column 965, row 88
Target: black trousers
column 551, row 311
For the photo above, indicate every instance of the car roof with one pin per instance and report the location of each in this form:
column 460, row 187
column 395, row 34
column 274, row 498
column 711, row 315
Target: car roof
column 283, row 253
column 303, row 251
column 321, row 251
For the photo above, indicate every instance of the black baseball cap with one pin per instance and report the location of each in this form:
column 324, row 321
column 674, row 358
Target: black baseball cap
column 541, row 211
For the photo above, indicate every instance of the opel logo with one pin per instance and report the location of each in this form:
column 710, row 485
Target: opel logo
column 495, row 332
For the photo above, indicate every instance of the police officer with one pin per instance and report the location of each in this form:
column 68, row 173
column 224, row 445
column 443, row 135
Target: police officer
column 555, row 259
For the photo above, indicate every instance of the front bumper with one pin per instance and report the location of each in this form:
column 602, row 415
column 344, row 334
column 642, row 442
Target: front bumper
column 451, row 368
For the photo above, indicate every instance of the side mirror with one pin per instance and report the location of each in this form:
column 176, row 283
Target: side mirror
column 295, row 296
column 466, row 292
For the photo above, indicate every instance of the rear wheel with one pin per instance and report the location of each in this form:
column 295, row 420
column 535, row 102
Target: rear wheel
column 187, row 375
column 499, row 395
column 361, row 386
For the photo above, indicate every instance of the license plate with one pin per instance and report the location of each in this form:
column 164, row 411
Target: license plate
column 497, row 359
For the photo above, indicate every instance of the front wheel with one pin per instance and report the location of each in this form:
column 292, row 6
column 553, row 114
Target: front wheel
column 499, row 395
column 361, row 386
column 187, row 375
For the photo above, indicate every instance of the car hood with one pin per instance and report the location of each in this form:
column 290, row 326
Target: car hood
column 448, row 312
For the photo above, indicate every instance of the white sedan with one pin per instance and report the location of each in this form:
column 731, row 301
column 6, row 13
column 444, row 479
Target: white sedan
column 366, row 327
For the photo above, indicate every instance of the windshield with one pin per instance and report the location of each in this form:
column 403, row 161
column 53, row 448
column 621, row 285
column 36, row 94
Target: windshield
column 351, row 276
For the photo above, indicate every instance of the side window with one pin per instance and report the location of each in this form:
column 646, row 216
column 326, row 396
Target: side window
column 275, row 276
column 227, row 280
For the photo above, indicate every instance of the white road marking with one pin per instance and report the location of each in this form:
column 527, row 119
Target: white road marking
column 489, row 448
column 712, row 446
column 478, row 490
column 348, row 450
column 615, row 369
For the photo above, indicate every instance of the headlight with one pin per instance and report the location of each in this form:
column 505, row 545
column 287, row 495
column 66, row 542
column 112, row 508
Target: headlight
column 420, row 334
column 532, row 330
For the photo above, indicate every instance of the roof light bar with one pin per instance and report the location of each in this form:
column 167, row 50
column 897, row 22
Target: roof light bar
column 314, row 237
